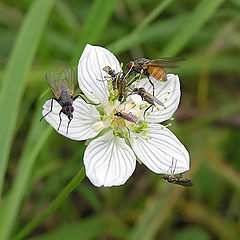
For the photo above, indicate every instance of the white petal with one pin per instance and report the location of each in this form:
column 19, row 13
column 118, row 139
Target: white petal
column 136, row 99
column 158, row 151
column 80, row 128
column 168, row 93
column 90, row 72
column 109, row 161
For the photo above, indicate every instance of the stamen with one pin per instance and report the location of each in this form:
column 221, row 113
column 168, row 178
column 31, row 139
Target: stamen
column 98, row 126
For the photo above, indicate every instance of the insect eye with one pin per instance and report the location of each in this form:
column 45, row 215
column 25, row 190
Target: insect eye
column 64, row 110
column 129, row 65
column 71, row 108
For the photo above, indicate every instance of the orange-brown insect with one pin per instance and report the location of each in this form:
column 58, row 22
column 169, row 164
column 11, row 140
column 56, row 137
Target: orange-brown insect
column 154, row 67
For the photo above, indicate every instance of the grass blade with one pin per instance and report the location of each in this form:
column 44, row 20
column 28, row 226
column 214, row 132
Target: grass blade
column 200, row 16
column 98, row 17
column 53, row 206
column 16, row 73
column 136, row 35
column 38, row 134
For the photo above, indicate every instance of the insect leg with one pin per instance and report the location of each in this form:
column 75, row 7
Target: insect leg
column 47, row 112
column 151, row 83
column 60, row 120
column 146, row 111
column 84, row 100
column 127, row 130
column 175, row 165
column 68, row 125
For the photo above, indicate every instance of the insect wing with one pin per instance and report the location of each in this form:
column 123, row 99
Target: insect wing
column 129, row 117
column 166, row 60
column 154, row 99
column 186, row 183
column 183, row 182
column 53, row 82
column 163, row 65
column 66, row 80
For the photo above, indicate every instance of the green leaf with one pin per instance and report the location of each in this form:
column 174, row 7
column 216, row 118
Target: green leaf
column 38, row 134
column 61, row 197
column 144, row 31
column 200, row 15
column 90, row 228
column 16, row 73
column 97, row 20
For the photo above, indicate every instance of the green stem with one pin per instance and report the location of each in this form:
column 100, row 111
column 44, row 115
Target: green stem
column 152, row 16
column 53, row 206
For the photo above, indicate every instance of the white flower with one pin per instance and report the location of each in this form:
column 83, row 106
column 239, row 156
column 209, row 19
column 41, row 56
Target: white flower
column 110, row 158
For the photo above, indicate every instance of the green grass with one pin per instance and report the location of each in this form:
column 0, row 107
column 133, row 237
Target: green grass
column 40, row 170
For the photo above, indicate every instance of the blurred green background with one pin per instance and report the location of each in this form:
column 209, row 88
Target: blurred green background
column 36, row 163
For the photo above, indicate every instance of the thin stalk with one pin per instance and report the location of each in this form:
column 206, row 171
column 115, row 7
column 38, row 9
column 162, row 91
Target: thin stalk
column 56, row 203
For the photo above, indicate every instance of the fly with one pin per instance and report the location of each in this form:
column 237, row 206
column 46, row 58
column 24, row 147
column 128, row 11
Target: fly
column 154, row 67
column 62, row 87
column 177, row 179
column 118, row 81
column 127, row 116
column 147, row 97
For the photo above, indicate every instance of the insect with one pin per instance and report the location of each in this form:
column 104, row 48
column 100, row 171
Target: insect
column 154, row 67
column 118, row 81
column 186, row 182
column 127, row 116
column 62, row 87
column 147, row 97
column 178, row 179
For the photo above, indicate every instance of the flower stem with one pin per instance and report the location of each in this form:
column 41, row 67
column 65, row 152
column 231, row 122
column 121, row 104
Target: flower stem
column 53, row 206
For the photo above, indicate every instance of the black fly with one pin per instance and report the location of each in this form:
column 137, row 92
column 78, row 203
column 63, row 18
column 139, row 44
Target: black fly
column 62, row 87
column 178, row 179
